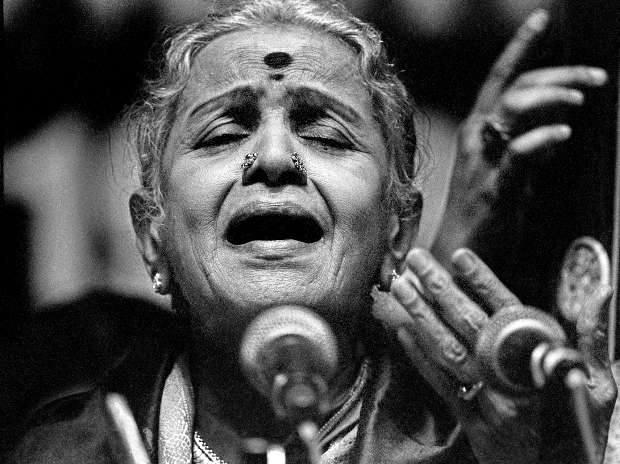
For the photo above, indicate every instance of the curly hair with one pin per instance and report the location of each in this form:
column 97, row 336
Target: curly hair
column 149, row 120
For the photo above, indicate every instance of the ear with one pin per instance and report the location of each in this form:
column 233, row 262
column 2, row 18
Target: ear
column 146, row 226
column 401, row 234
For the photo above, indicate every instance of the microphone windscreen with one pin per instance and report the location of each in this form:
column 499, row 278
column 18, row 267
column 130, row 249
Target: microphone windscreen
column 505, row 346
column 283, row 338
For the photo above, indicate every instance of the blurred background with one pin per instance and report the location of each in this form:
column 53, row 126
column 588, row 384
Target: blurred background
column 72, row 66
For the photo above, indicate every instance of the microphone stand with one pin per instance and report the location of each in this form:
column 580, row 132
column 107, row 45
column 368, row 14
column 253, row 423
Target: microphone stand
column 567, row 364
column 289, row 354
column 301, row 399
column 576, row 382
column 309, row 433
column 260, row 451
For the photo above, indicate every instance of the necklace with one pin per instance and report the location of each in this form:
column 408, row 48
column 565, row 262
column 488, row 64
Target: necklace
column 202, row 453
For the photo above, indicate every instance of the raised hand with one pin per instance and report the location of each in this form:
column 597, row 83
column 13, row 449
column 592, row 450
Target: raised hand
column 438, row 322
column 517, row 117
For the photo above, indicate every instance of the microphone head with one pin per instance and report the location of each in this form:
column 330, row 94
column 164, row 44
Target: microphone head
column 505, row 346
column 286, row 339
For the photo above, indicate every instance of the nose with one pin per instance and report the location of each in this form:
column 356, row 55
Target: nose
column 276, row 162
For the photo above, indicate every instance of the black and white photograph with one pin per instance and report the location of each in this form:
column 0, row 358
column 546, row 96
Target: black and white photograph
column 311, row 232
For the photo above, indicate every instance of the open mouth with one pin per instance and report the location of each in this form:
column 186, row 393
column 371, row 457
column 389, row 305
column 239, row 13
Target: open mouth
column 274, row 225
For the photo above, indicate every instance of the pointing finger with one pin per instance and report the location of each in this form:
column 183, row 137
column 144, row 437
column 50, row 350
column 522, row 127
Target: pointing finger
column 511, row 59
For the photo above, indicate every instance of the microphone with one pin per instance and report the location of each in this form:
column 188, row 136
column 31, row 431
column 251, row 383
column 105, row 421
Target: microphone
column 522, row 348
column 289, row 354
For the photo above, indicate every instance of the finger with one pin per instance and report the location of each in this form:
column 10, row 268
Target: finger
column 432, row 335
column 568, row 76
column 482, row 281
column 511, row 59
column 387, row 310
column 454, row 307
column 521, row 103
column 592, row 324
column 496, row 408
column 438, row 379
column 538, row 139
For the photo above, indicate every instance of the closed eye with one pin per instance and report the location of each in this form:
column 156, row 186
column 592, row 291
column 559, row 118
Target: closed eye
column 324, row 134
column 222, row 139
column 329, row 142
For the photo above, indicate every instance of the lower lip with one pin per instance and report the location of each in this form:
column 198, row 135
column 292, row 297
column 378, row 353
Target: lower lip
column 276, row 249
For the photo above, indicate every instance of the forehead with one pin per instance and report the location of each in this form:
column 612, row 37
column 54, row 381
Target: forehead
column 290, row 55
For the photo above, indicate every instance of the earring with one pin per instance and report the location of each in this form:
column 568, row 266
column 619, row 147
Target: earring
column 394, row 276
column 391, row 279
column 158, row 284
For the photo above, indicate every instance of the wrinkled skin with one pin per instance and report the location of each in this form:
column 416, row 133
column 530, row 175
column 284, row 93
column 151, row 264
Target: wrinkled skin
column 236, row 104
column 222, row 286
column 346, row 165
column 438, row 321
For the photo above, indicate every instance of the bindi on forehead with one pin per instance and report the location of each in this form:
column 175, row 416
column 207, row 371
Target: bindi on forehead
column 278, row 60
column 278, row 57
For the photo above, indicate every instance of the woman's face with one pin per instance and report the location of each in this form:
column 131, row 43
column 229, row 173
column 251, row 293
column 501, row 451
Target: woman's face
column 237, row 246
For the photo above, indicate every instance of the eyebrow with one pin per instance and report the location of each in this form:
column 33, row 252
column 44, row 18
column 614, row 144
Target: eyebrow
column 310, row 98
column 236, row 98
column 301, row 98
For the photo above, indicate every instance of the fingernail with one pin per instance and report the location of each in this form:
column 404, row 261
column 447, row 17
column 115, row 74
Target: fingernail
column 404, row 292
column 538, row 19
column 463, row 261
column 598, row 75
column 418, row 260
column 576, row 95
column 564, row 131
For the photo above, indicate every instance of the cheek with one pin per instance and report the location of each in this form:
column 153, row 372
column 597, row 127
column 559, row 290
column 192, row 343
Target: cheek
column 191, row 231
column 194, row 195
column 193, row 200
column 355, row 195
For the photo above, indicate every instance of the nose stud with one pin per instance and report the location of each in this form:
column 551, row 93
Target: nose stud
column 298, row 164
column 301, row 168
column 248, row 161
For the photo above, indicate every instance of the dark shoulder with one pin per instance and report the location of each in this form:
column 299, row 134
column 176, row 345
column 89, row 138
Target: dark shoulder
column 100, row 314
column 76, row 345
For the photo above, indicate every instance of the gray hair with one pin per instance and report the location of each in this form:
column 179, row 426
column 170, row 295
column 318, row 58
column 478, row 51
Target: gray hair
column 150, row 119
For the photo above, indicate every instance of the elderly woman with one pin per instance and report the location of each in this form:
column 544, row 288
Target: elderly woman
column 278, row 161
